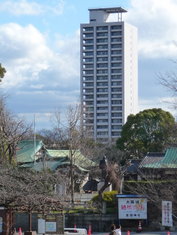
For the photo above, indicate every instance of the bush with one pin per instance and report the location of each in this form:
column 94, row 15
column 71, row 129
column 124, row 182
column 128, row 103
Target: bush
column 108, row 197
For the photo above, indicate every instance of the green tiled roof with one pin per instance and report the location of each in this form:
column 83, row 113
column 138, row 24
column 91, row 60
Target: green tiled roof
column 78, row 159
column 27, row 149
column 168, row 161
column 26, row 156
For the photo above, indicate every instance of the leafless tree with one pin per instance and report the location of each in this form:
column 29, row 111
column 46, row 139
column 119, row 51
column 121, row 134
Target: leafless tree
column 12, row 130
column 68, row 133
column 26, row 190
column 156, row 185
column 169, row 81
column 112, row 175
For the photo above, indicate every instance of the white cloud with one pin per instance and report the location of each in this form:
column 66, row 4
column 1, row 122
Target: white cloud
column 24, row 7
column 24, row 52
column 29, row 60
column 157, row 26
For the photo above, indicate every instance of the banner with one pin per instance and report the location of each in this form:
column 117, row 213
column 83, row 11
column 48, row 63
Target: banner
column 132, row 208
column 167, row 213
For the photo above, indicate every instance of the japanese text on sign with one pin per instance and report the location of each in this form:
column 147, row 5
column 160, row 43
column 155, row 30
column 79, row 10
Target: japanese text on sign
column 167, row 213
column 132, row 208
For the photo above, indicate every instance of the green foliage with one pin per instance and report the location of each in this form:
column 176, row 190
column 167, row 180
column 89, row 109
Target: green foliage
column 2, row 71
column 148, row 131
column 108, row 197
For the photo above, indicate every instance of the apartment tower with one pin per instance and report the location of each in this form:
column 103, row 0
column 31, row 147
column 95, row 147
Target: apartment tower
column 109, row 86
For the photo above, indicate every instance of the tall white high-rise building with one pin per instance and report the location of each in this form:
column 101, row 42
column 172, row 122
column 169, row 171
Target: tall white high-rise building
column 109, row 84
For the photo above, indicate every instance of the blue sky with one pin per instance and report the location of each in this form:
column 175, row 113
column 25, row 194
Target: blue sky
column 39, row 47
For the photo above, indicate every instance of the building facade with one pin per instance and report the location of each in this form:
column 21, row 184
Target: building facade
column 109, row 86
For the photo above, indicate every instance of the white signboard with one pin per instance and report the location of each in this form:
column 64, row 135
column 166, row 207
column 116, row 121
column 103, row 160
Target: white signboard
column 50, row 227
column 41, row 226
column 132, row 208
column 167, row 213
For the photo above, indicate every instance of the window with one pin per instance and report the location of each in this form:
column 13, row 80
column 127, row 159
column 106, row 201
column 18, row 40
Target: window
column 102, row 47
column 116, row 115
column 88, row 78
column 116, row 96
column 116, row 64
column 117, row 120
column 102, row 127
column 115, row 108
column 119, row 83
column 102, row 40
column 89, row 109
column 88, row 66
column 102, row 120
column 88, row 29
column 88, row 41
column 118, row 89
column 88, row 103
column 102, row 114
column 102, row 52
column 116, row 58
column 102, row 71
column 116, row 27
column 116, row 127
column 87, row 72
column 102, row 102
column 88, row 90
column 117, row 33
column 102, row 59
column 102, row 108
column 116, row 77
column 116, row 133
column 88, row 35
column 89, row 115
column 102, row 96
column 102, row 83
column 116, row 46
column 88, row 48
column 101, row 28
column 88, row 60
column 116, row 70
column 116, row 102
column 102, row 89
column 102, row 65
column 105, row 34
column 89, row 121
column 88, row 97
column 88, row 84
column 116, row 39
column 116, row 52
column 88, row 53
column 102, row 78
column 102, row 133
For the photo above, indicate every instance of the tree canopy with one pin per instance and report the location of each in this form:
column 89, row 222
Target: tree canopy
column 2, row 72
column 148, row 131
